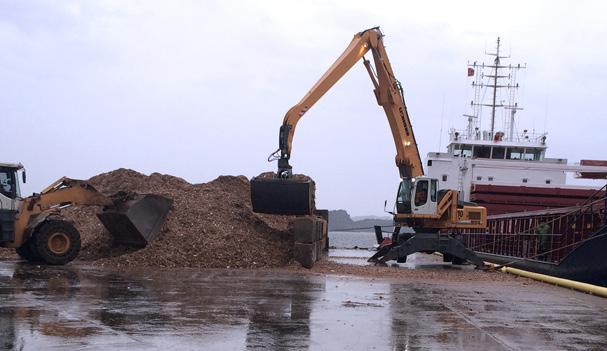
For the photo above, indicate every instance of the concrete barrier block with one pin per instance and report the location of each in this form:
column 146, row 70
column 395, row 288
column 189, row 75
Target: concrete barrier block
column 305, row 254
column 325, row 229
column 320, row 249
column 304, row 229
column 318, row 234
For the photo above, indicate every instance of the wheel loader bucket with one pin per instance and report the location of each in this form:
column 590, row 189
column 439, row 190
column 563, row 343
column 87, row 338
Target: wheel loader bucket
column 137, row 221
column 282, row 196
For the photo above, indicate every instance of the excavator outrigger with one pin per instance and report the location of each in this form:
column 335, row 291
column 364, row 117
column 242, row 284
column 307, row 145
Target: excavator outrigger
column 35, row 227
column 433, row 214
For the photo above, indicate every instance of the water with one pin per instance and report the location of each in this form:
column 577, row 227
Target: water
column 351, row 247
column 352, row 240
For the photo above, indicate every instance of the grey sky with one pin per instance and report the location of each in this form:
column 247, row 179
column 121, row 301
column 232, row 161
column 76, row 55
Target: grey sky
column 199, row 88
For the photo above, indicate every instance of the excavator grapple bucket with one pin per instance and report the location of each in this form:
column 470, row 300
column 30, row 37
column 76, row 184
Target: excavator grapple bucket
column 136, row 221
column 292, row 196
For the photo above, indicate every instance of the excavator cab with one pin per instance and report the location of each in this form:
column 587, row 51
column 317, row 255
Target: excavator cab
column 417, row 196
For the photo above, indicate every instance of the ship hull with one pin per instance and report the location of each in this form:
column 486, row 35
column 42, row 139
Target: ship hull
column 500, row 199
column 584, row 264
column 566, row 242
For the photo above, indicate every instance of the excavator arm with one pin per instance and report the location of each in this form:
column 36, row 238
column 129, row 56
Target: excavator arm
column 388, row 92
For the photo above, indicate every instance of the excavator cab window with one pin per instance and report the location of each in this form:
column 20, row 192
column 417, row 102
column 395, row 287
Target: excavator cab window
column 433, row 189
column 403, row 198
column 421, row 193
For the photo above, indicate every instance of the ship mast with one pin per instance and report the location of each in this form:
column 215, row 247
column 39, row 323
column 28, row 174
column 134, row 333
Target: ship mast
column 494, row 86
column 495, row 82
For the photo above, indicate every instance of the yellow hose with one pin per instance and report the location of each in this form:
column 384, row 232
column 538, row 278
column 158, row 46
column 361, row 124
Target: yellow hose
column 571, row 284
column 567, row 283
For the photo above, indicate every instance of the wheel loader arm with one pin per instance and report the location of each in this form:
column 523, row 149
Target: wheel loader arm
column 388, row 92
column 63, row 192
column 66, row 191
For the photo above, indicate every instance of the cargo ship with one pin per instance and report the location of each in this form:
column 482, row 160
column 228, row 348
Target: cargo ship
column 536, row 220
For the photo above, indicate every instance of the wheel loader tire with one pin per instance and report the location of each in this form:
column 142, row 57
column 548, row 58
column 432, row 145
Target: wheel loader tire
column 56, row 242
column 27, row 253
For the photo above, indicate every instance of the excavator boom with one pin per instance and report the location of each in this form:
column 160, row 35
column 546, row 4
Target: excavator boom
column 388, row 92
column 280, row 193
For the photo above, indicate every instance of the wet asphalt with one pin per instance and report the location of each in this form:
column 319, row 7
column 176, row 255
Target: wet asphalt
column 79, row 307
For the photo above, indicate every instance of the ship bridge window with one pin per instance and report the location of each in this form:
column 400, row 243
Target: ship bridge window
column 515, row 153
column 533, row 154
column 482, row 151
column 498, row 152
column 461, row 150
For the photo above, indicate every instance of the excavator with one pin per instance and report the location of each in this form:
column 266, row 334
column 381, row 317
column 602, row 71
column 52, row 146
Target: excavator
column 435, row 215
column 35, row 227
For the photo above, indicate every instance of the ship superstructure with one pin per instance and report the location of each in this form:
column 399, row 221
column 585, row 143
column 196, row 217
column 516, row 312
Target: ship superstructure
column 502, row 167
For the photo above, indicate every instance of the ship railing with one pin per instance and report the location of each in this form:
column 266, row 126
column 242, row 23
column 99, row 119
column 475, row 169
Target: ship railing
column 522, row 245
column 485, row 135
column 545, row 236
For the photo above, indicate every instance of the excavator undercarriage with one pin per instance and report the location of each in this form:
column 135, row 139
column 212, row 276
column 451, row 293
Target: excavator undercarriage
column 400, row 245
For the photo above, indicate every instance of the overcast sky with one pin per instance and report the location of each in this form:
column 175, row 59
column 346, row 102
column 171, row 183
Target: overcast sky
column 199, row 88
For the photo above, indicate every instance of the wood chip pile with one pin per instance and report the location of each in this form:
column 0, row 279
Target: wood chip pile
column 211, row 225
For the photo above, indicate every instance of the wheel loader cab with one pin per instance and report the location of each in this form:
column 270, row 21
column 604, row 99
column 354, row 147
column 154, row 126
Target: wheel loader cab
column 417, row 196
column 10, row 199
column 9, row 186
column 10, row 193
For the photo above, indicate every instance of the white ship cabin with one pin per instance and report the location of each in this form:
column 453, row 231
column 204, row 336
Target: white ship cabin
column 482, row 158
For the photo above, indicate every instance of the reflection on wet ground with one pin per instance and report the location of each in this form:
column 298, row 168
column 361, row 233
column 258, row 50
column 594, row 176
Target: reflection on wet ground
column 80, row 307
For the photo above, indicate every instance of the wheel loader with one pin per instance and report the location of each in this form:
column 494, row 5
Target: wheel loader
column 35, row 227
column 433, row 214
